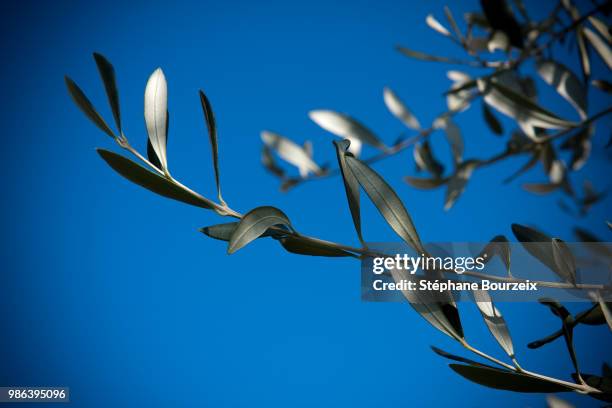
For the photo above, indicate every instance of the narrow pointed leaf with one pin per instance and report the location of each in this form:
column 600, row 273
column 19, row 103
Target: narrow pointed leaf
column 254, row 224
column 453, row 23
column 223, row 232
column 351, row 186
column 566, row 83
column 212, row 134
column 81, row 100
column 386, row 201
column 498, row 246
column 438, row 308
column 346, row 127
column 600, row 46
column 603, row 85
column 151, row 155
column 425, row 183
column 491, row 120
column 422, row 56
column 520, row 108
column 290, row 151
column 541, row 188
column 425, row 160
column 494, row 321
column 399, row 109
column 453, row 135
column 107, row 73
column 454, row 357
column 151, row 181
column 601, row 28
column 156, row 114
column 436, row 25
column 301, row 247
column 564, row 260
column 457, row 183
column 506, row 380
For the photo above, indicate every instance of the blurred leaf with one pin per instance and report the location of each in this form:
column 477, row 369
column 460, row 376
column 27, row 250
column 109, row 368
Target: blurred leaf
column 600, row 46
column 556, row 402
column 453, row 23
column 498, row 41
column 437, row 26
column 424, row 183
column 81, row 100
column 351, row 185
column 212, row 135
column 399, row 109
column 603, row 85
column 528, row 165
column 386, row 201
column 539, row 245
column 500, row 17
column 491, row 120
column 520, row 108
column 506, row 380
column 566, row 265
column 301, row 247
column 422, row 56
column 156, row 114
column 453, row 135
column 268, row 162
column 605, row 310
column 540, row 188
column 253, row 224
column 566, row 83
column 498, row 246
column 494, row 321
column 107, row 73
column 601, row 28
column 457, row 183
column 151, row 181
column 290, row 152
column 601, row 383
column 425, row 160
column 345, row 127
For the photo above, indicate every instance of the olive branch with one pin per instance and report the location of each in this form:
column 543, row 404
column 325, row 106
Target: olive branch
column 500, row 91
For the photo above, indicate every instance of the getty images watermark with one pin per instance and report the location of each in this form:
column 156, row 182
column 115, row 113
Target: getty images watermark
column 514, row 271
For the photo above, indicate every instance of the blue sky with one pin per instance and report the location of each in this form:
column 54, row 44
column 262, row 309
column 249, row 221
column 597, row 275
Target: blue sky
column 113, row 291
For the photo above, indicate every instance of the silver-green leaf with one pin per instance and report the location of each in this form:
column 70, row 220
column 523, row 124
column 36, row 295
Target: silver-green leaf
column 253, row 224
column 156, row 114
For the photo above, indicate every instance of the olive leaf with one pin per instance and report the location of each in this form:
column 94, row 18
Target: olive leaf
column 566, row 83
column 351, row 185
column 494, row 321
column 453, row 22
column 500, row 17
column 498, row 246
column 600, row 46
column 601, row 383
column 540, row 188
column 556, row 402
column 424, row 183
column 386, row 201
column 151, row 181
column 209, row 116
column 460, row 359
column 151, row 155
column 520, row 108
column 603, row 85
column 269, row 163
column 346, row 127
column 399, row 109
column 601, row 28
column 302, row 247
column 156, row 114
column 564, row 260
column 422, row 56
column 457, row 183
column 506, row 380
column 107, row 74
column 81, row 100
column 553, row 253
column 425, row 160
column 453, row 135
column 291, row 152
column 253, row 224
column 222, row 232
column 437, row 26
column 491, row 121
column 437, row 307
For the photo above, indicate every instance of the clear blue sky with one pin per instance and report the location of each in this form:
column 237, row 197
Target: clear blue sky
column 112, row 291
